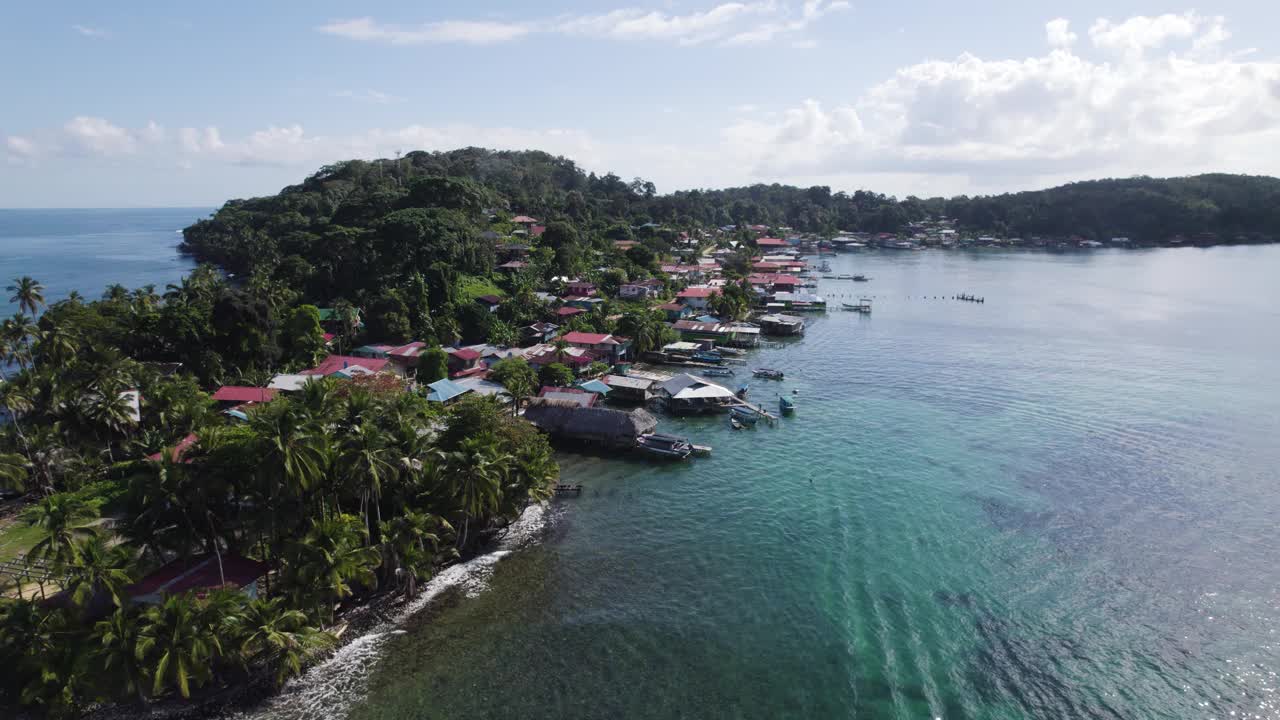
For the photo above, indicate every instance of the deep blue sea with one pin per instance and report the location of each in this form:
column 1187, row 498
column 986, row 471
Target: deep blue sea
column 1061, row 503
column 87, row 250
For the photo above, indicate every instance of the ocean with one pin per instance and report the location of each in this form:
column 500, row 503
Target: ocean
column 1059, row 503
column 88, row 250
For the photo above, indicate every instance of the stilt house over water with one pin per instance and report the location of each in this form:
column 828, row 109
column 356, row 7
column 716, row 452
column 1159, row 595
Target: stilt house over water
column 603, row 427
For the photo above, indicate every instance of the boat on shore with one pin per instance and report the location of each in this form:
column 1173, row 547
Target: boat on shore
column 768, row 373
column 665, row 446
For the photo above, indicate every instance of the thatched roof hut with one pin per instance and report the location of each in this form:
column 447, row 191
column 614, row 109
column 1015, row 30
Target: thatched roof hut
column 599, row 426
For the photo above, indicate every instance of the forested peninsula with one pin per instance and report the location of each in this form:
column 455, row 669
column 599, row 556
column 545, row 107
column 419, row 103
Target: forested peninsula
column 206, row 480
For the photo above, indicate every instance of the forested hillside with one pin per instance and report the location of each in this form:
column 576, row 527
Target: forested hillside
column 355, row 219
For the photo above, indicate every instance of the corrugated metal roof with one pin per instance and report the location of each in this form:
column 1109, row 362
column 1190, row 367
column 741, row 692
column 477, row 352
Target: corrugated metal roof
column 445, row 390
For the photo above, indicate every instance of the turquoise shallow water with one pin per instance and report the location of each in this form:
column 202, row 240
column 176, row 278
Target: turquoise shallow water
column 1059, row 503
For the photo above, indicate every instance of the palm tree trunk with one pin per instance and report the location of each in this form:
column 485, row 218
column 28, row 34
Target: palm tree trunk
column 222, row 577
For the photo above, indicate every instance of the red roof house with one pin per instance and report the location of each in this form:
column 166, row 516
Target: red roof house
column 772, row 243
column 238, row 394
column 523, row 220
column 199, row 574
column 178, row 450
column 335, row 363
column 569, row 311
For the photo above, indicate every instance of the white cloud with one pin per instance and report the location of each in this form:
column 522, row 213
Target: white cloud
column 96, row 136
column 370, row 96
column 88, row 31
column 1142, row 33
column 449, row 31
column 20, row 147
column 1059, row 33
column 1105, row 107
column 1188, row 110
column 729, row 23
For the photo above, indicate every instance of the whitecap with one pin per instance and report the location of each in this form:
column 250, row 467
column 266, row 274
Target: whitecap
column 330, row 690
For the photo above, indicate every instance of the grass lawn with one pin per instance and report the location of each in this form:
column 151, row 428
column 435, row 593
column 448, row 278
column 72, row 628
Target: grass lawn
column 471, row 287
column 17, row 537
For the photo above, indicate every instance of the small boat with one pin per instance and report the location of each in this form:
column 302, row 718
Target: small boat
column 744, row 415
column 860, row 278
column 786, row 405
column 768, row 373
column 708, row 357
column 668, row 446
column 731, row 352
column 735, row 423
column 844, row 277
column 718, row 372
column 742, row 390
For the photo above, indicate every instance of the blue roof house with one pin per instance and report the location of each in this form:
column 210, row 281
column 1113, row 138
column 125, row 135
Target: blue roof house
column 446, row 391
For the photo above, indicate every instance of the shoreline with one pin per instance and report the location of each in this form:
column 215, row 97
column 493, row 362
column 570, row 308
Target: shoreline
column 329, row 688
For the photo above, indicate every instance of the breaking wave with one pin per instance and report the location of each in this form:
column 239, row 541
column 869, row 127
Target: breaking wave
column 330, row 690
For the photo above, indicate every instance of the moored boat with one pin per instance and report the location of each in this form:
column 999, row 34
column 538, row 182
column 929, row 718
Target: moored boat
column 768, row 373
column 860, row 278
column 742, row 390
column 735, row 423
column 668, row 446
column 745, row 415
column 786, row 405
column 717, row 372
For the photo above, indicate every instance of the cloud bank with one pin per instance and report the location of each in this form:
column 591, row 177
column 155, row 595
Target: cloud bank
column 728, row 24
column 1160, row 95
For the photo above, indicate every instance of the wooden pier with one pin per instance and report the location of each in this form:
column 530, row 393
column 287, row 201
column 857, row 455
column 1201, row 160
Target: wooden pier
column 757, row 409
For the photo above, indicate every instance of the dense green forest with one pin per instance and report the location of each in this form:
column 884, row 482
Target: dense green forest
column 351, row 220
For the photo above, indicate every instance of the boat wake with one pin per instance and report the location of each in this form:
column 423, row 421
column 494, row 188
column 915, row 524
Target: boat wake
column 331, row 689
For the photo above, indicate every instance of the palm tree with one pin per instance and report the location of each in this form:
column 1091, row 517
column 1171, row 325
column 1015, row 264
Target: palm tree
column 478, row 470
column 562, row 346
column 115, row 293
column 14, row 471
column 290, row 451
column 116, row 652
column 364, row 463
column 644, row 328
column 111, row 413
column 279, row 636
column 58, row 346
column 329, row 561
column 17, row 332
column 28, row 293
column 61, row 517
column 176, row 644
column 411, row 542
column 97, row 568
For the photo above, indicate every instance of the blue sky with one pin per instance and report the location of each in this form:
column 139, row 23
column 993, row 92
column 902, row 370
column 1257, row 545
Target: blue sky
column 157, row 104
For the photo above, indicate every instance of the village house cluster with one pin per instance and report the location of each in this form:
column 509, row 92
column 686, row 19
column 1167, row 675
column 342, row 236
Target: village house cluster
column 607, row 400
